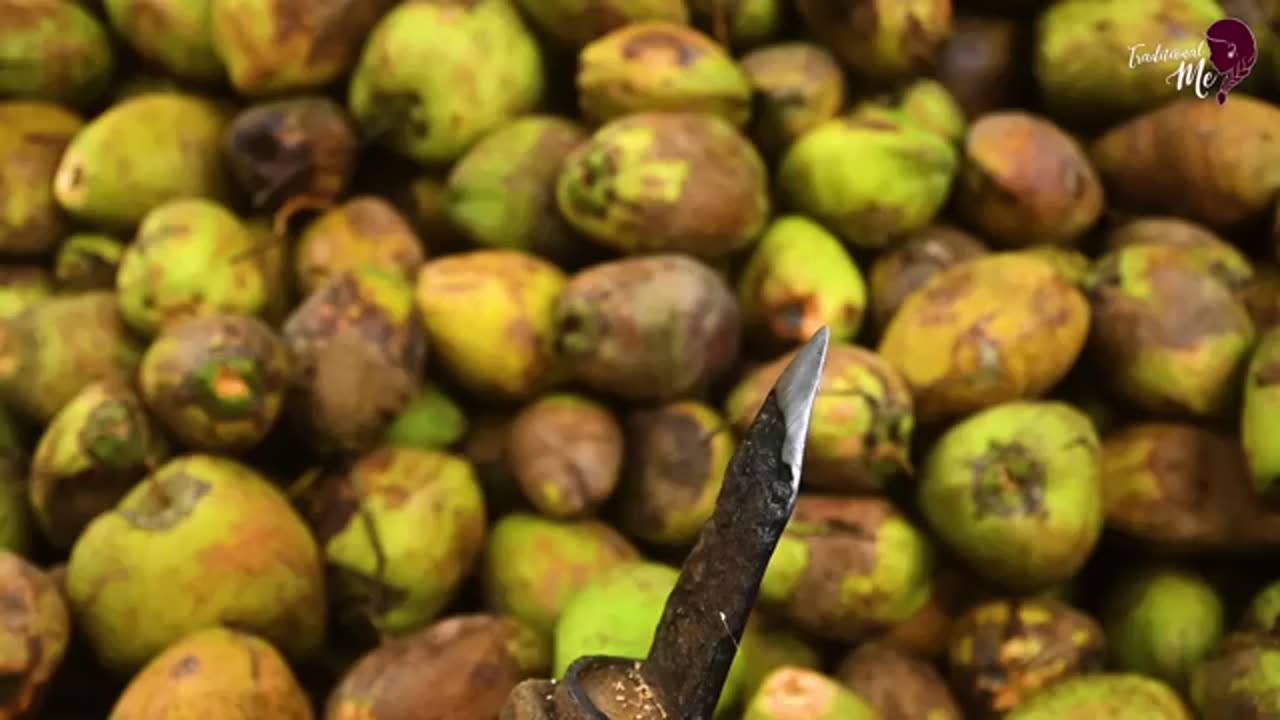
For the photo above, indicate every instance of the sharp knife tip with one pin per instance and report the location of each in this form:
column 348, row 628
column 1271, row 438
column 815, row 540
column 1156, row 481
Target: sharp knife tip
column 796, row 390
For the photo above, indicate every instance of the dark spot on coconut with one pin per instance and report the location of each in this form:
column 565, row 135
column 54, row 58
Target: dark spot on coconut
column 884, row 444
column 1008, row 481
column 117, row 445
column 1196, row 306
column 402, row 113
column 1230, row 275
column 13, row 604
column 842, row 537
column 343, row 311
column 184, row 667
column 575, row 449
column 951, row 288
column 594, row 193
column 669, row 467
column 665, row 471
column 485, row 674
column 114, row 435
column 228, row 368
column 75, row 177
column 850, row 314
column 275, row 176
column 167, row 501
column 1005, row 667
column 256, row 136
column 1121, row 326
column 683, row 50
column 433, row 669
column 1185, row 463
column 1048, row 301
column 576, row 335
column 989, row 675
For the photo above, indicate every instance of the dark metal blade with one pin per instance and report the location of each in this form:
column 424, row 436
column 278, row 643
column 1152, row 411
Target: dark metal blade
column 706, row 613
